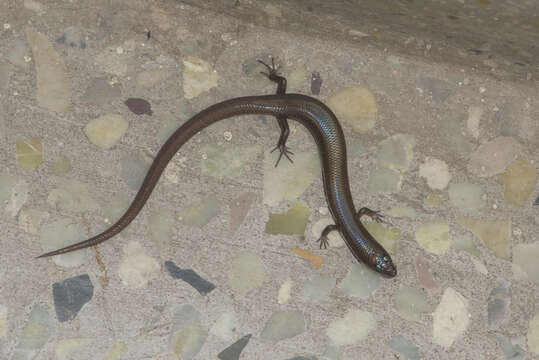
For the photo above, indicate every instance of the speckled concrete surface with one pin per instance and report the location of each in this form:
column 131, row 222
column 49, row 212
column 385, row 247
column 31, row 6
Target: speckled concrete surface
column 442, row 133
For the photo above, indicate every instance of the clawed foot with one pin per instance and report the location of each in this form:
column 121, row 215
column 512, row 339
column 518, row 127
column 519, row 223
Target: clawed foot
column 324, row 242
column 284, row 150
column 373, row 214
column 272, row 70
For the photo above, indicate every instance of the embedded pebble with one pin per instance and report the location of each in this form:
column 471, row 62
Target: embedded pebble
column 5, row 74
column 53, row 86
column 465, row 243
column 67, row 349
column 233, row 352
column 3, row 321
column 29, row 153
column 34, row 6
column 479, row 266
column 511, row 348
column 525, row 256
column 7, row 186
column 198, row 77
column 136, row 268
column 19, row 196
column 404, row 346
column 396, row 152
column 285, row 291
column 410, row 303
column 17, row 54
column 318, row 288
column 495, row 234
column 493, row 157
column 200, row 213
column 297, row 78
column 187, row 335
column 62, row 233
column 228, row 160
column 134, row 167
column 451, row 136
column 60, row 166
column 439, row 90
column 161, row 226
column 149, row 78
column 436, row 172
column 354, row 327
column 434, row 237
column 246, row 273
column 292, row 222
column 498, row 306
column 71, row 196
column 424, row 275
column 116, row 207
column 139, row 106
column 190, row 276
column 384, row 180
column 101, row 92
column 73, row 37
column 360, row 282
column 225, row 326
column 474, row 117
column 355, row 106
column 35, row 333
column 451, row 318
column 283, row 325
column 315, row 259
column 105, row 131
column 288, row 180
column 519, row 182
column 332, row 353
column 466, row 196
column 239, row 208
column 533, row 334
column 116, row 351
column 433, row 201
column 70, row 296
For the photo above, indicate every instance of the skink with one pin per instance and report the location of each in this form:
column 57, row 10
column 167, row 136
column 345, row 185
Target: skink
column 328, row 136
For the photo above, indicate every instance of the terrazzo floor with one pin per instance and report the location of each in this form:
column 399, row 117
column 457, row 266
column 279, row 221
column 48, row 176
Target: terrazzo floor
column 223, row 263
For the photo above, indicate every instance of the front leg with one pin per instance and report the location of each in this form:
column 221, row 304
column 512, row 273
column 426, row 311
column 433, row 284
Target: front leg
column 373, row 214
column 324, row 242
column 273, row 75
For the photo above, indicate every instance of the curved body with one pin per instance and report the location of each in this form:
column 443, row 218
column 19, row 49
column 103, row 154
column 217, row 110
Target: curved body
column 329, row 137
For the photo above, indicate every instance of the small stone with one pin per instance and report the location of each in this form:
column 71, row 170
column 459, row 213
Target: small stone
column 226, row 325
column 284, row 292
column 161, row 223
column 396, row 152
column 239, row 208
column 202, row 285
column 198, row 77
column 360, row 282
column 70, row 296
column 451, row 318
column 318, row 288
column 3, row 321
column 404, row 346
column 494, row 156
column 494, row 234
column 139, row 106
column 354, row 327
column 525, row 256
column 246, row 273
column 474, row 117
column 72, row 196
column 29, row 153
column 37, row 330
column 136, row 268
column 424, row 275
column 288, row 180
column 498, row 306
column 436, row 172
column 519, row 182
column 410, row 303
column 134, row 167
column 292, row 222
column 283, row 325
column 116, row 351
column 34, row 6
column 105, row 131
column 233, row 352
column 356, row 106
column 228, row 161
column 384, row 180
column 315, row 259
column 433, row 200
column 187, row 333
column 465, row 243
column 72, row 36
column 466, row 196
column 110, row 62
column 62, row 233
column 101, row 92
column 533, row 334
column 434, row 237
column 201, row 213
column 511, row 349
column 16, row 56
column 60, row 166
